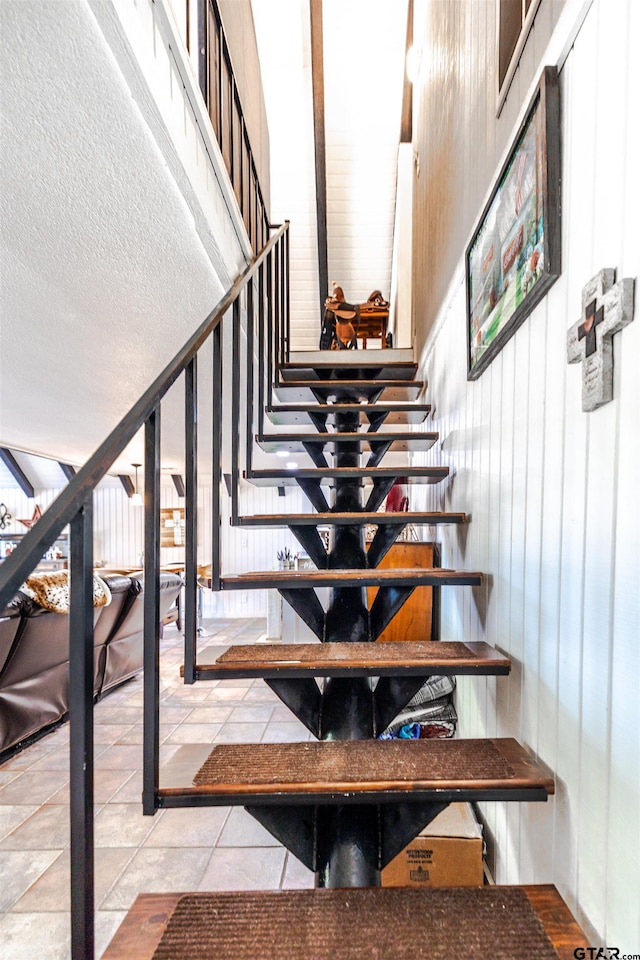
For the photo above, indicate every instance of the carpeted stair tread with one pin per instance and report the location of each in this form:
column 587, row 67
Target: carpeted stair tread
column 291, row 413
column 294, row 443
column 368, row 577
column 365, row 770
column 360, row 924
column 350, row 390
column 363, row 659
column 337, row 519
column 354, row 368
column 420, row 475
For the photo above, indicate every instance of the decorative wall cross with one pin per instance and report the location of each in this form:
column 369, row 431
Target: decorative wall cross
column 606, row 308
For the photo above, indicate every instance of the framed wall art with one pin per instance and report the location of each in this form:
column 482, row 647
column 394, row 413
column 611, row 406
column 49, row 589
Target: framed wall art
column 514, row 255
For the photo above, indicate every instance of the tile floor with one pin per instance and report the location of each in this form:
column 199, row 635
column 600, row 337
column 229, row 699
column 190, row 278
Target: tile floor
column 191, row 849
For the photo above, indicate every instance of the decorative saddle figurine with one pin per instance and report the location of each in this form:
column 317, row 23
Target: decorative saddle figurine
column 346, row 323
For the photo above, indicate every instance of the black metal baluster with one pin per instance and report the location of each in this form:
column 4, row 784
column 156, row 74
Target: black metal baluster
column 235, row 412
column 250, row 378
column 191, row 520
column 287, row 294
column 151, row 600
column 81, row 734
column 217, row 457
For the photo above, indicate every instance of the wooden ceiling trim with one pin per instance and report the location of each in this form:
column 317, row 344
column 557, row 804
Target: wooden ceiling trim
column 317, row 74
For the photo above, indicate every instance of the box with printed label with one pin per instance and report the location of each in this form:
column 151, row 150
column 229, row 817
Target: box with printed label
column 448, row 853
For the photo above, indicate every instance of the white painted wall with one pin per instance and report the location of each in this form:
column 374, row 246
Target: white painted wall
column 553, row 496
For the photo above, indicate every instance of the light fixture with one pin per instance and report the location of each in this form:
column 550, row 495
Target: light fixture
column 136, row 498
column 291, row 465
column 412, row 64
column 282, row 453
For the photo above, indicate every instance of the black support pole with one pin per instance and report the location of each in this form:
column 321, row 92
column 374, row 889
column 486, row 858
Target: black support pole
column 191, row 520
column 151, row 601
column 81, row 734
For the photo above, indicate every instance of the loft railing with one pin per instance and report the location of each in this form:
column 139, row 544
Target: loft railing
column 220, row 92
column 266, row 306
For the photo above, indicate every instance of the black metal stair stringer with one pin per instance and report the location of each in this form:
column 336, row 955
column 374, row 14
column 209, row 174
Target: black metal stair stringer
column 317, row 454
column 302, row 696
column 312, row 489
column 400, row 823
column 378, row 451
column 386, row 604
column 311, row 541
column 306, row 604
column 391, row 695
column 294, row 826
column 381, row 487
column 384, row 538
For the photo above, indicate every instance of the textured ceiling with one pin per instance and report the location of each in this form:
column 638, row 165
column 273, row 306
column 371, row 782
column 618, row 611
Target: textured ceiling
column 98, row 250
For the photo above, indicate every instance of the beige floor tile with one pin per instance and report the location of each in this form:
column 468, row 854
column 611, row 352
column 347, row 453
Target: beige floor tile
column 195, row 733
column 227, row 694
column 243, row 830
column 32, row 787
column 241, row 733
column 12, row 817
column 210, row 713
column 122, row 825
column 118, row 757
column 157, row 869
column 131, row 791
column 51, row 892
column 6, row 776
column 174, row 714
column 187, row 827
column 241, row 869
column 249, row 712
column 109, row 733
column 108, row 782
column 296, row 875
column 261, row 694
column 280, row 732
column 47, row 829
column 19, row 869
column 35, row 936
column 134, row 735
column 119, row 714
column 190, row 694
column 107, row 922
column 281, row 712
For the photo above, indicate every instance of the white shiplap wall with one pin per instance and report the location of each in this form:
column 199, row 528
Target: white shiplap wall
column 553, row 495
column 119, row 539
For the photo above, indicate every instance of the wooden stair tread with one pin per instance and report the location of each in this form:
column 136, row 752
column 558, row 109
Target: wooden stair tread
column 337, row 519
column 370, row 577
column 355, row 659
column 292, row 413
column 307, row 390
column 327, row 474
column 386, row 370
column 294, row 442
column 364, row 771
column 503, row 923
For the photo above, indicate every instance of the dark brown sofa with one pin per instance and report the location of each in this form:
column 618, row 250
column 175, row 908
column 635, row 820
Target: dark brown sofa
column 34, row 656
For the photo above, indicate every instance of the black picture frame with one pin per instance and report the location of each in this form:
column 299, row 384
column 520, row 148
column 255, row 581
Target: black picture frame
column 514, row 255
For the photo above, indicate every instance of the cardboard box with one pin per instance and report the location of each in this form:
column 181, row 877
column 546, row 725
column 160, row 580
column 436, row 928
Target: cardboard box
column 448, row 853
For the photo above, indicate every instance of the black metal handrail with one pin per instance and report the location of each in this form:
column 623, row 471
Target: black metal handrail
column 74, row 507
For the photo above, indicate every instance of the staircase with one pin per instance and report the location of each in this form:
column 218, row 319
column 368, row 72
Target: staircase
column 347, row 803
